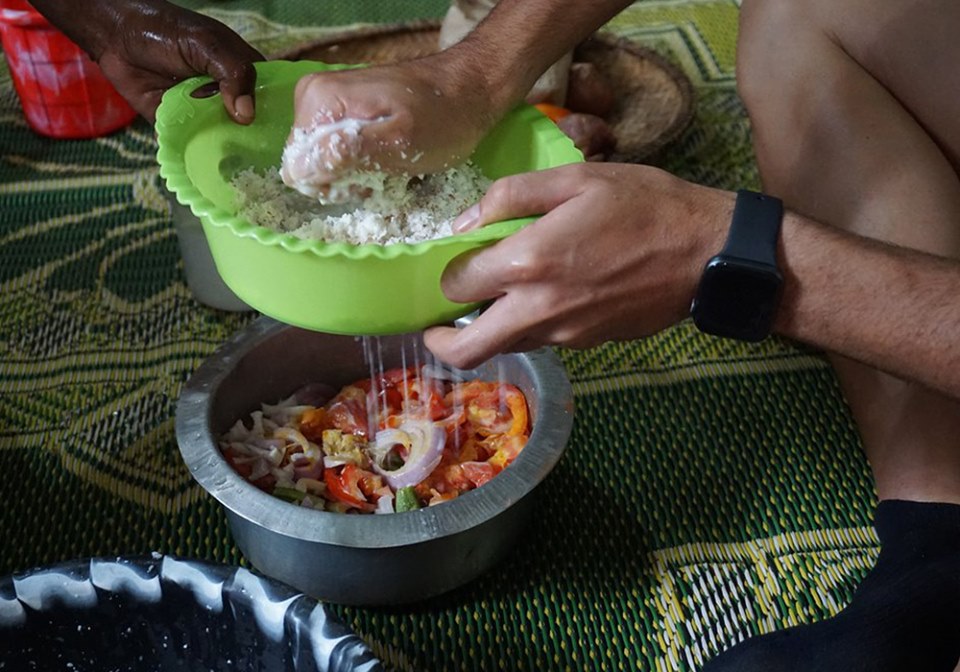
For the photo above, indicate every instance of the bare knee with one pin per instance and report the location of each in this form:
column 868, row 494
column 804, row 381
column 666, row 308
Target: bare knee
column 777, row 37
column 771, row 37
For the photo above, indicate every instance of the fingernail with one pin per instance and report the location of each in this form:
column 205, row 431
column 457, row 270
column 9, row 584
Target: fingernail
column 467, row 219
column 243, row 107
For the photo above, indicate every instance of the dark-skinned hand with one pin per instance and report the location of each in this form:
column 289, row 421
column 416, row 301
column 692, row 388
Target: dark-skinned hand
column 146, row 46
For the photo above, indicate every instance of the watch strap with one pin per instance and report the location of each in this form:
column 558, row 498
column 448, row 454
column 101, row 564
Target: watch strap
column 755, row 227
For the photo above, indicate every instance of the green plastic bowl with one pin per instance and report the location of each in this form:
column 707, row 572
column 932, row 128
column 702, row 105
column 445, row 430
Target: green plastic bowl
column 331, row 287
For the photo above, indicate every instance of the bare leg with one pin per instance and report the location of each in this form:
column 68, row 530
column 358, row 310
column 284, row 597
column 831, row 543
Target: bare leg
column 855, row 107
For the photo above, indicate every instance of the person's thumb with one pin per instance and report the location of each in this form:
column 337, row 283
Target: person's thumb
column 230, row 62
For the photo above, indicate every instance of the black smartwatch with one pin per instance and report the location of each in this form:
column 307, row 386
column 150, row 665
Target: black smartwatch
column 740, row 288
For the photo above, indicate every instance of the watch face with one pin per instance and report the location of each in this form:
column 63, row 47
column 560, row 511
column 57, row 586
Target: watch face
column 737, row 299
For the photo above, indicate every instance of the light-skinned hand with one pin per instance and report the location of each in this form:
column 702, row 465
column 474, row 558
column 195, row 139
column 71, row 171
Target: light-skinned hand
column 617, row 256
column 416, row 117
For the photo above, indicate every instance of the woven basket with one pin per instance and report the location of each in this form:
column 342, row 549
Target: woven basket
column 654, row 98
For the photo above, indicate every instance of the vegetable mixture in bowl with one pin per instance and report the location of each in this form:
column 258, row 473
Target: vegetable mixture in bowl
column 404, row 439
column 515, row 407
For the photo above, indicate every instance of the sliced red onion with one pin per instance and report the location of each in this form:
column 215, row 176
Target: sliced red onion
column 281, row 413
column 424, row 443
column 334, row 462
column 260, row 469
column 257, row 428
column 312, row 470
column 384, row 441
column 274, row 456
column 385, row 503
column 268, row 444
column 238, row 433
column 236, row 448
column 284, row 476
column 293, row 436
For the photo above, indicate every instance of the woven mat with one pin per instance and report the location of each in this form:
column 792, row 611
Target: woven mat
column 710, row 491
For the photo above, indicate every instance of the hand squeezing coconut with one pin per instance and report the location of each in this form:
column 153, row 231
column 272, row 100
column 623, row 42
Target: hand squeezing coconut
column 427, row 115
column 408, row 118
column 313, row 153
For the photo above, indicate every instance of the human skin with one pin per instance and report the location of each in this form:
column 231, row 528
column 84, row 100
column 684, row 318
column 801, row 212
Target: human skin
column 619, row 255
column 870, row 94
column 146, row 46
column 464, row 15
column 430, row 113
column 855, row 126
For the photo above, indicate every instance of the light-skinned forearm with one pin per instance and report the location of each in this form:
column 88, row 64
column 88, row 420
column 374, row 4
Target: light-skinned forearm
column 520, row 39
column 895, row 309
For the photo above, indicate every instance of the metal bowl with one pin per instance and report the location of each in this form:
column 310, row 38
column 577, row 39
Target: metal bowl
column 362, row 559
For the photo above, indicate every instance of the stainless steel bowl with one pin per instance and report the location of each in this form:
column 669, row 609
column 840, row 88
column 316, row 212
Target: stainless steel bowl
column 362, row 559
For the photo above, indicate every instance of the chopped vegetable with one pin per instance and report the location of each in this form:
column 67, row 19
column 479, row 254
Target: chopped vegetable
column 401, row 440
column 407, row 499
column 346, row 448
column 343, row 487
column 553, row 112
column 289, row 494
column 421, row 442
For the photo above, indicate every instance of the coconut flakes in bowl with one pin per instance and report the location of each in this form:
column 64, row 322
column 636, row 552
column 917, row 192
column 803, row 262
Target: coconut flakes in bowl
column 395, row 209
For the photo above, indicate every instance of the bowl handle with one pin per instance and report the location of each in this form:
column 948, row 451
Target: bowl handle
column 180, row 102
column 466, row 320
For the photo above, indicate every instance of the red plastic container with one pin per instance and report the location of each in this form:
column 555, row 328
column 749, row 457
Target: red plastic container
column 63, row 93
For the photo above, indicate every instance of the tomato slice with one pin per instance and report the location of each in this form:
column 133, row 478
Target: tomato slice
column 479, row 473
column 492, row 408
column 343, row 487
column 453, row 477
column 314, row 422
column 398, row 378
column 554, row 112
column 369, row 483
column 506, row 448
column 389, row 402
column 436, row 408
column 265, row 482
column 348, row 411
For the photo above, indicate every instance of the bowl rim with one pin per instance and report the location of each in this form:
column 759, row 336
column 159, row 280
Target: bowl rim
column 177, row 107
column 200, row 452
column 81, row 586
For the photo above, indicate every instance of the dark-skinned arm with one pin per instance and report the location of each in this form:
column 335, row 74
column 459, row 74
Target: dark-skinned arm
column 146, row 46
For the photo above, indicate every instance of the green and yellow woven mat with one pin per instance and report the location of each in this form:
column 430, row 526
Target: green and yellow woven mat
column 711, row 490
